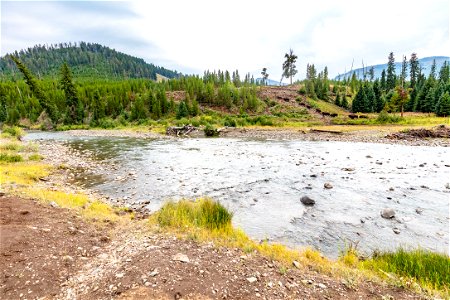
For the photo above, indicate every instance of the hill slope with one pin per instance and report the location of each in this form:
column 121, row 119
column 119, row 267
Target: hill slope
column 86, row 61
column 425, row 64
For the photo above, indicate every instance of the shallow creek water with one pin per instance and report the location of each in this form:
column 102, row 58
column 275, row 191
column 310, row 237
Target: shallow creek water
column 262, row 181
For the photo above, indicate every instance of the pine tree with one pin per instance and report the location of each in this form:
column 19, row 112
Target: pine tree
column 344, row 102
column 264, row 75
column 70, row 93
column 444, row 73
column 289, row 68
column 414, row 70
column 443, row 105
column 48, row 105
column 379, row 101
column 383, row 80
column 182, row 110
column 338, row 100
column 371, row 101
column 390, row 76
column 400, row 98
column 433, row 69
column 404, row 71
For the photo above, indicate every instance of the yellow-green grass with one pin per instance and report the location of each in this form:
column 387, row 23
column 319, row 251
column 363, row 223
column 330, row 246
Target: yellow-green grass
column 185, row 219
column 326, row 106
column 431, row 270
column 23, row 173
column 207, row 220
column 12, row 132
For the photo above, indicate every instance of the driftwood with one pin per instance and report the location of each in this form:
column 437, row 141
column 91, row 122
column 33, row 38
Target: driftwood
column 183, row 130
column 326, row 131
column 440, row 131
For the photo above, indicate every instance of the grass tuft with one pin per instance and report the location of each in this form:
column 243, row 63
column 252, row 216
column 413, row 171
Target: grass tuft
column 428, row 268
column 11, row 158
column 203, row 213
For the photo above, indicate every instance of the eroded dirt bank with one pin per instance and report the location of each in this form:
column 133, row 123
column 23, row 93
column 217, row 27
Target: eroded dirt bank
column 51, row 253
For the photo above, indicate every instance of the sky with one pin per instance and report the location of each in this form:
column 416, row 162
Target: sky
column 195, row 35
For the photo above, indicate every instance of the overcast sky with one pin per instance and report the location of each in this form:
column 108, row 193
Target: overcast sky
column 192, row 36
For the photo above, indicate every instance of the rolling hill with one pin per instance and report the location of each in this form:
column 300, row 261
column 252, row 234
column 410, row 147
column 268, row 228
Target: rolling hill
column 425, row 64
column 86, row 60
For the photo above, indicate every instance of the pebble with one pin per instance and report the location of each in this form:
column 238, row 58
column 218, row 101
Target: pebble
column 327, row 185
column 296, row 264
column 181, row 257
column 307, row 200
column 252, row 279
column 388, row 213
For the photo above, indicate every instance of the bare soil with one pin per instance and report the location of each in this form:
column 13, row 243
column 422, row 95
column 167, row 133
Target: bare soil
column 51, row 253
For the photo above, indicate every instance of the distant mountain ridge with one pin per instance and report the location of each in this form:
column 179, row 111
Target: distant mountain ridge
column 270, row 82
column 86, row 60
column 425, row 64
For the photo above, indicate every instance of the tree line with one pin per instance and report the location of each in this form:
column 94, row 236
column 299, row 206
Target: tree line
column 66, row 101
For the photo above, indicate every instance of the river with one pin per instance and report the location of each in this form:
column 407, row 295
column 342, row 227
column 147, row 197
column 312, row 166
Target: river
column 262, row 181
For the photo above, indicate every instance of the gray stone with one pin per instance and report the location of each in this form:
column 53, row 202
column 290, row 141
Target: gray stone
column 307, row 201
column 327, row 185
column 181, row 257
column 53, row 204
column 388, row 213
column 296, row 264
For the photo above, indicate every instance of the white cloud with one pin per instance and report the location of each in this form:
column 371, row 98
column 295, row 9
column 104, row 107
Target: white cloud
column 192, row 36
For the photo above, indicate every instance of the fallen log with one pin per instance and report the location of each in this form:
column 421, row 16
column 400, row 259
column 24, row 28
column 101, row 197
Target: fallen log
column 326, row 131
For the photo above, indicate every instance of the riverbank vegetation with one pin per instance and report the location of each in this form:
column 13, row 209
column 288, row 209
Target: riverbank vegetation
column 220, row 98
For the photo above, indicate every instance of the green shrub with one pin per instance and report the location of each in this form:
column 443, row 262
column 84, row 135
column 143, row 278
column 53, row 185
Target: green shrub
column 229, row 122
column 13, row 131
column 106, row 123
column 385, row 118
column 211, row 130
column 203, row 213
column 10, row 157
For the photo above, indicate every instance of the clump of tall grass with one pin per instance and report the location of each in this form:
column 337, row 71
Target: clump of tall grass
column 428, row 268
column 13, row 131
column 10, row 158
column 202, row 213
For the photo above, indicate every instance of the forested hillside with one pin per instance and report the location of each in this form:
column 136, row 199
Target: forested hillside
column 219, row 97
column 86, row 60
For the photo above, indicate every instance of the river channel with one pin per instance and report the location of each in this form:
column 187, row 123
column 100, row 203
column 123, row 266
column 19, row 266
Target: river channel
column 262, row 181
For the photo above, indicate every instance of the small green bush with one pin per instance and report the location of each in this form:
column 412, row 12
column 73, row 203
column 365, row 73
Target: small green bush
column 13, row 131
column 229, row 122
column 385, row 118
column 10, row 157
column 211, row 130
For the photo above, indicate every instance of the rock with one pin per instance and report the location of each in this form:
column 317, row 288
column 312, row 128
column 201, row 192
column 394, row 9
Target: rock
column 24, row 212
column 396, row 230
column 327, row 185
column 419, row 210
column 322, row 286
column 252, row 279
column 447, row 186
column 307, row 201
column 348, row 169
column 153, row 273
column 53, row 204
column 388, row 213
column 120, row 275
column 296, row 264
column 181, row 257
